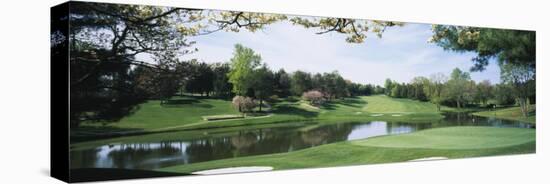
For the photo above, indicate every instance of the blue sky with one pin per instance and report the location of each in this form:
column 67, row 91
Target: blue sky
column 401, row 54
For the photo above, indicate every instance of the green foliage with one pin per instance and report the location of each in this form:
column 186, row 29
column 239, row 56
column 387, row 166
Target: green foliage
column 417, row 85
column 502, row 94
column 484, row 91
column 300, row 82
column 221, row 85
column 104, row 40
column 460, row 87
column 388, row 86
column 458, row 74
column 522, row 80
column 200, row 78
column 282, row 83
column 508, row 46
column 514, row 49
column 413, row 90
column 334, row 85
column 356, row 89
column 511, row 113
column 243, row 64
column 263, row 83
column 356, row 30
column 420, row 88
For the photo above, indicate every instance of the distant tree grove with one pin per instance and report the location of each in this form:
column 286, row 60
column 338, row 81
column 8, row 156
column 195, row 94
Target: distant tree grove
column 459, row 90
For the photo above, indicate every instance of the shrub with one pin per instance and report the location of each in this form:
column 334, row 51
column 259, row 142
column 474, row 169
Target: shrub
column 243, row 104
column 314, row 97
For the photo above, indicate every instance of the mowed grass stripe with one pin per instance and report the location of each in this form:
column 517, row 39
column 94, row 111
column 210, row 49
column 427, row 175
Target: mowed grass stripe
column 385, row 104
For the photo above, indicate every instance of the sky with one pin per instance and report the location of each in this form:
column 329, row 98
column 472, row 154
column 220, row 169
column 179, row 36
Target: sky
column 401, row 54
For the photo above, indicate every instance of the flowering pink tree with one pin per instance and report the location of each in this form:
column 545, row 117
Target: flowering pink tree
column 243, row 104
column 314, row 97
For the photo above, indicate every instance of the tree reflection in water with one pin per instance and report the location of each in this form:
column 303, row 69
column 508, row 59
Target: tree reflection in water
column 255, row 142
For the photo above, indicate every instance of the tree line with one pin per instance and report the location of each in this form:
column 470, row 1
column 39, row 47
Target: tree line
column 514, row 51
column 107, row 79
column 248, row 79
column 459, row 90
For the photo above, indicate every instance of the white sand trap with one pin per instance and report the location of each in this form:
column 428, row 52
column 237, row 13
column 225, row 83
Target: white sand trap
column 230, row 170
column 396, row 115
column 429, row 158
column 358, row 112
column 376, row 115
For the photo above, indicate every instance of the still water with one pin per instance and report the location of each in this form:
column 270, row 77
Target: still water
column 152, row 155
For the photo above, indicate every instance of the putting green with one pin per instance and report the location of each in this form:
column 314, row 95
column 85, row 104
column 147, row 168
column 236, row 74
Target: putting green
column 454, row 138
column 451, row 142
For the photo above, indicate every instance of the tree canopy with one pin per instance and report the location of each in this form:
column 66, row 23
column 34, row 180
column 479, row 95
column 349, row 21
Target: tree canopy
column 243, row 64
column 508, row 46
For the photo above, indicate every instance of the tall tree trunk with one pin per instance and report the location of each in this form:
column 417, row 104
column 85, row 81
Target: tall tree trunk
column 524, row 106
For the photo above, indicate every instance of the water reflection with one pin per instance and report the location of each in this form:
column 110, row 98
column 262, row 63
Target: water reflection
column 378, row 128
column 256, row 142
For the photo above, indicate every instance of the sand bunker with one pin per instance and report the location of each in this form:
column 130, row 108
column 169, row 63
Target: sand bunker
column 376, row 115
column 396, row 115
column 234, row 170
column 429, row 158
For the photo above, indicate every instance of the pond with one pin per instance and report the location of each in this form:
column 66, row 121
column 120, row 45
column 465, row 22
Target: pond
column 239, row 143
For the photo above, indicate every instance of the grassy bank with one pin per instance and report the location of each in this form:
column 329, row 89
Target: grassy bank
column 384, row 104
column 452, row 142
column 187, row 113
column 511, row 113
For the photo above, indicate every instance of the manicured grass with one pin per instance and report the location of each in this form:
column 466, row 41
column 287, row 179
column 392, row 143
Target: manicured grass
column 384, row 104
column 179, row 111
column 455, row 138
column 187, row 113
column 511, row 113
column 457, row 143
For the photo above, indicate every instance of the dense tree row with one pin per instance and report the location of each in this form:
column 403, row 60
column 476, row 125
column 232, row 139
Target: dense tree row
column 250, row 78
column 245, row 77
column 459, row 90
